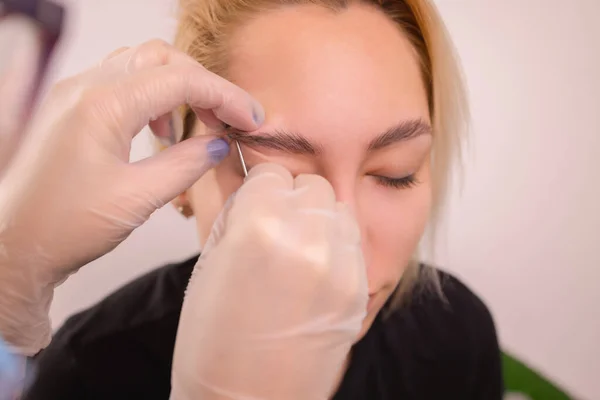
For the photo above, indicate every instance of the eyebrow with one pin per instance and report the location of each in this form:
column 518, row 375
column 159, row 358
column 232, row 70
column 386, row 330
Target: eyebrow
column 289, row 142
column 295, row 143
column 404, row 131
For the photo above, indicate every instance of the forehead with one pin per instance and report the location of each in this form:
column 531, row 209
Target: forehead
column 325, row 73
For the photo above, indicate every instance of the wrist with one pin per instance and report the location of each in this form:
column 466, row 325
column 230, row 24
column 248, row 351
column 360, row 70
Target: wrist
column 24, row 306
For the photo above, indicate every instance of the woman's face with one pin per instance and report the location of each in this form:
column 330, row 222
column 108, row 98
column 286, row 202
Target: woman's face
column 344, row 99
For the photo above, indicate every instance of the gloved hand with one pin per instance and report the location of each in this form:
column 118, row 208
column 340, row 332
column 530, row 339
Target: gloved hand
column 71, row 194
column 277, row 297
column 19, row 63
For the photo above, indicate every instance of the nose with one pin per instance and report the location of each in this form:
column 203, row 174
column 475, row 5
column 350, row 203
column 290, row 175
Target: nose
column 346, row 191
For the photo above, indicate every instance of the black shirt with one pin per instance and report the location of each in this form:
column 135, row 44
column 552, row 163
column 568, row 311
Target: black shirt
column 122, row 347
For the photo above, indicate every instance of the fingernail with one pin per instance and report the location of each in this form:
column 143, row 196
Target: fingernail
column 217, row 150
column 258, row 113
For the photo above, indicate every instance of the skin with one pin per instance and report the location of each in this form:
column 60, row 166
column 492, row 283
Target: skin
column 339, row 80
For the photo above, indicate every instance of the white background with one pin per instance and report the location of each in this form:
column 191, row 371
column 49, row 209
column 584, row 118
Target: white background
column 524, row 232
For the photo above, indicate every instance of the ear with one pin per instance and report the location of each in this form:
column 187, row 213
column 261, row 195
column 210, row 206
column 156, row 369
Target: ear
column 182, row 205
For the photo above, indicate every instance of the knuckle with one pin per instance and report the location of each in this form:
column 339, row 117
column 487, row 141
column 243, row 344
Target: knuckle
column 155, row 51
column 155, row 45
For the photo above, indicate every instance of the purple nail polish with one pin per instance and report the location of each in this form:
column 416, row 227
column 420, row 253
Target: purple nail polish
column 217, row 150
column 258, row 114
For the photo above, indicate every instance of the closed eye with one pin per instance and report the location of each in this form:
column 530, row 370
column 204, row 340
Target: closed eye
column 406, row 182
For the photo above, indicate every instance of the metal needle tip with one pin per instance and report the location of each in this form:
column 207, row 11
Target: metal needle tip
column 239, row 149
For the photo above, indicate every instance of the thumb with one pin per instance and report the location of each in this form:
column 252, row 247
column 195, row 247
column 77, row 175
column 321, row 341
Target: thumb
column 219, row 226
column 174, row 170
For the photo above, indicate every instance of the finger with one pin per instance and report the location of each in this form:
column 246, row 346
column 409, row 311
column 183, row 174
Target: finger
column 147, row 55
column 219, row 226
column 261, row 199
column 314, row 192
column 112, row 55
column 268, row 178
column 151, row 54
column 163, row 130
column 314, row 219
column 348, row 228
column 19, row 61
column 167, row 128
column 174, row 170
column 158, row 91
column 209, row 119
column 350, row 273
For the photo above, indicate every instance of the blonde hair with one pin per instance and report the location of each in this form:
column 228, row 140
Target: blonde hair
column 206, row 25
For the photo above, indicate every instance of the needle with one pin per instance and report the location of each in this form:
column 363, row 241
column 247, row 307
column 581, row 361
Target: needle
column 239, row 149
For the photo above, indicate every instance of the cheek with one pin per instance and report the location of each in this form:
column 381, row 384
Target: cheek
column 393, row 224
column 208, row 196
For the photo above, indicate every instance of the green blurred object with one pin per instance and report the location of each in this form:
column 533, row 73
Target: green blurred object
column 519, row 378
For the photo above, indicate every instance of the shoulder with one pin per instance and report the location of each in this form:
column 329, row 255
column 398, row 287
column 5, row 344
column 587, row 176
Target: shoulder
column 451, row 314
column 121, row 342
column 459, row 304
column 466, row 313
column 146, row 299
column 449, row 339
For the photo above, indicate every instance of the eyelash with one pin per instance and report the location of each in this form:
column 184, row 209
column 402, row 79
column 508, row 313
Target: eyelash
column 397, row 183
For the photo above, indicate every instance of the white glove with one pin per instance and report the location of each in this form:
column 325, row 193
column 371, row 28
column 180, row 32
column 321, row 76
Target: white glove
column 71, row 194
column 277, row 298
column 19, row 63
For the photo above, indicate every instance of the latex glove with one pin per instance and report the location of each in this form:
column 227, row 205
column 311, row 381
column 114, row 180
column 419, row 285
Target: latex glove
column 19, row 62
column 28, row 35
column 277, row 298
column 71, row 194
